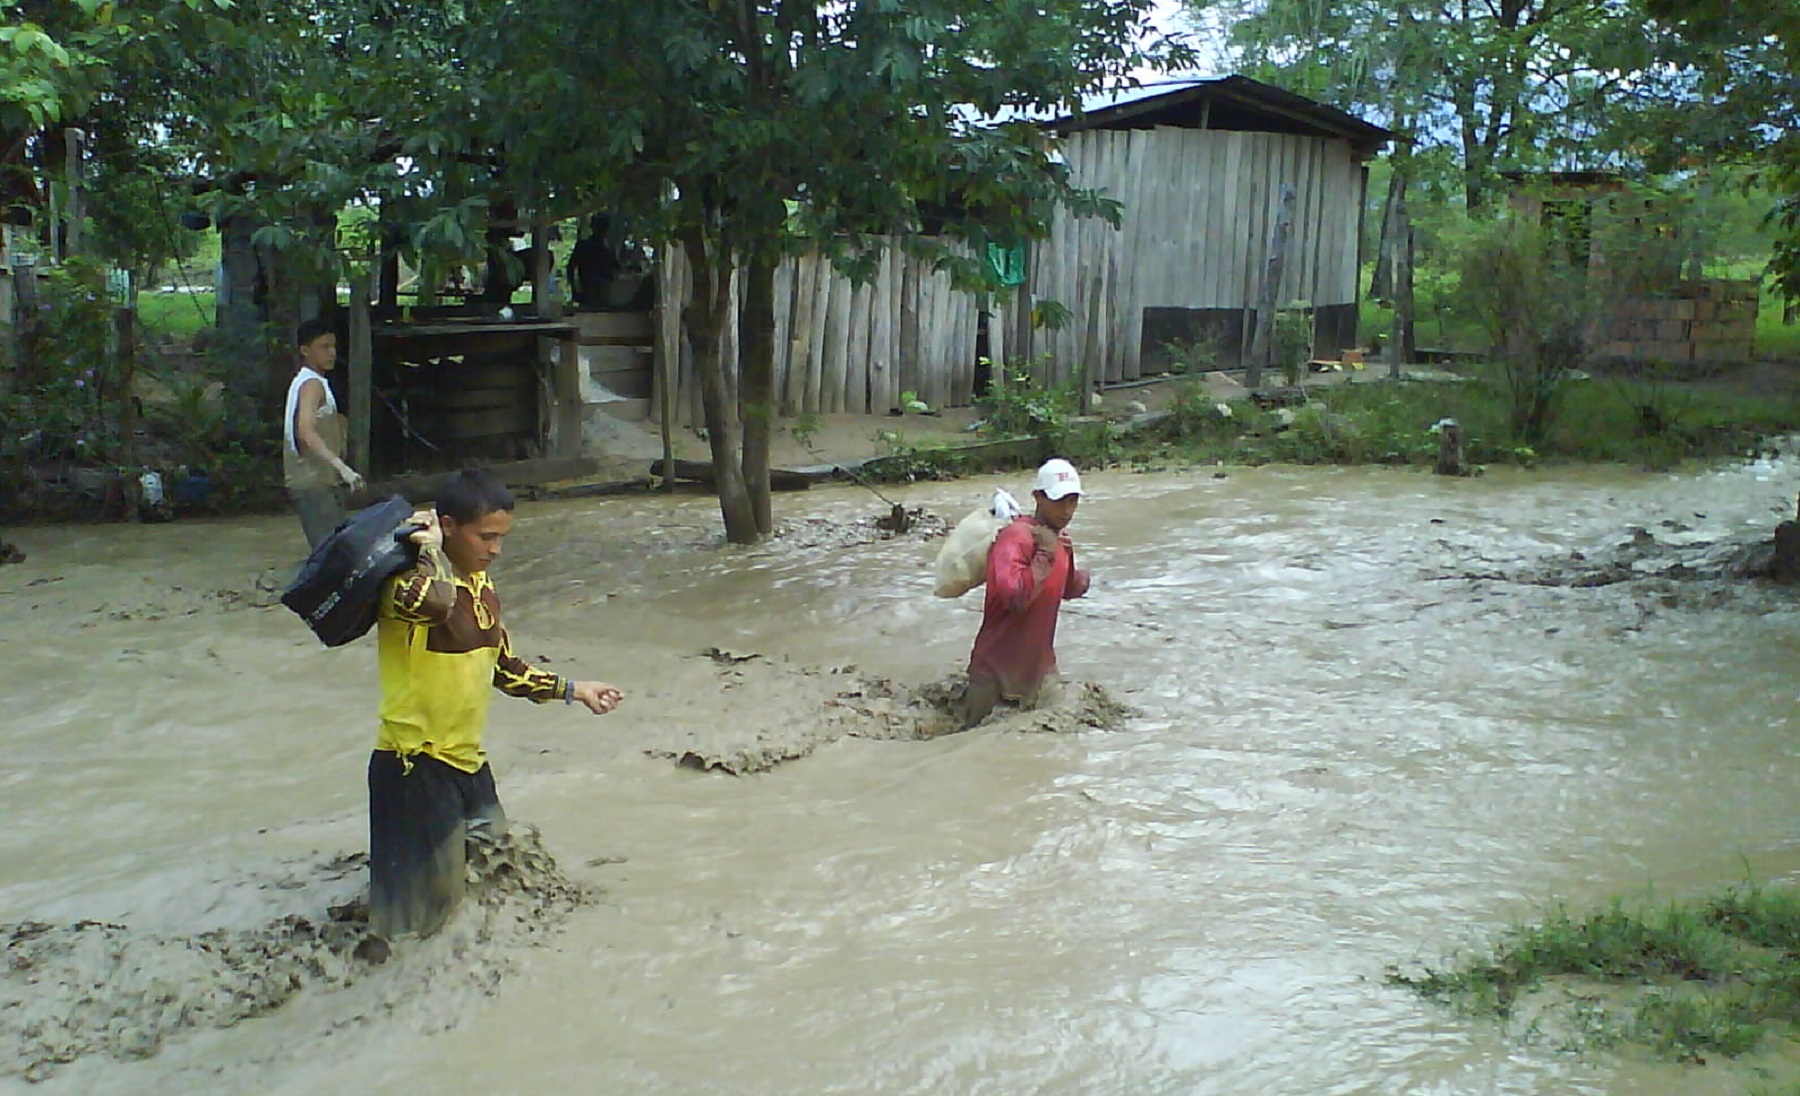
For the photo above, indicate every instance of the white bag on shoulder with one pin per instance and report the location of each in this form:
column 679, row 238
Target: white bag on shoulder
column 962, row 561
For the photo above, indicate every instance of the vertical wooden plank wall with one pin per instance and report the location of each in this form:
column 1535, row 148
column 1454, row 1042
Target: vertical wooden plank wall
column 1199, row 207
column 845, row 348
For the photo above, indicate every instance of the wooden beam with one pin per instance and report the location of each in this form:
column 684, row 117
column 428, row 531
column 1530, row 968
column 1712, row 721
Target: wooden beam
column 360, row 363
column 567, row 389
column 73, row 233
column 668, row 354
column 1268, row 300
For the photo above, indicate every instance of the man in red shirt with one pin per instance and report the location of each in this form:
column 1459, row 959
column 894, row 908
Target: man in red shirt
column 1031, row 572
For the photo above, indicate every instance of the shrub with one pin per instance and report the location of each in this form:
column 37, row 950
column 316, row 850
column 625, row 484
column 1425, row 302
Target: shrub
column 1017, row 405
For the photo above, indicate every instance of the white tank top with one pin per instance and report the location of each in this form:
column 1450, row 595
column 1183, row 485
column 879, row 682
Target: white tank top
column 329, row 407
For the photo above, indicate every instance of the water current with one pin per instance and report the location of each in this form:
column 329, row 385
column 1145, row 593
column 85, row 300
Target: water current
column 1362, row 740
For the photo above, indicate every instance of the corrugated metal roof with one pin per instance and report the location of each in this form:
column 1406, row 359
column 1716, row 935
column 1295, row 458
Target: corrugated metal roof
column 1231, row 103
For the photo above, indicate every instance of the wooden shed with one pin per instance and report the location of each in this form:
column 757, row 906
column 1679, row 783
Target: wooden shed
column 1200, row 172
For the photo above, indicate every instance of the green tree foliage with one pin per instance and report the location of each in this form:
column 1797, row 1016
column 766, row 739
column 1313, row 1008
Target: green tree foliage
column 1506, row 84
column 1745, row 59
column 739, row 130
column 62, row 63
column 778, row 123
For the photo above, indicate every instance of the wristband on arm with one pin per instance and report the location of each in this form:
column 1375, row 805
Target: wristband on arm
column 568, row 690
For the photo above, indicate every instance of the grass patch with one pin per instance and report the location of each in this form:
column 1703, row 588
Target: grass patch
column 181, row 315
column 1642, row 421
column 1645, row 422
column 1715, row 975
column 1775, row 341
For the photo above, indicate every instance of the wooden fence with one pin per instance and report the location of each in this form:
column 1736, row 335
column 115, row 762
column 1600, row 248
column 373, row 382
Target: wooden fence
column 1200, row 206
column 840, row 347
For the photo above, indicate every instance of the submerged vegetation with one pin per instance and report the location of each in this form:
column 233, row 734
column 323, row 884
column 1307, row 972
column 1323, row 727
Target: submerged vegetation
column 1717, row 975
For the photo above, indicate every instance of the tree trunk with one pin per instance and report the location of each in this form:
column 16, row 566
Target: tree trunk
column 242, row 342
column 706, row 318
column 1397, row 243
column 1474, row 165
column 757, row 385
column 1381, row 285
column 125, row 333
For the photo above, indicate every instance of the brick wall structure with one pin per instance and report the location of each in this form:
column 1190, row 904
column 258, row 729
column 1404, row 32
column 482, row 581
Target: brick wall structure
column 1701, row 323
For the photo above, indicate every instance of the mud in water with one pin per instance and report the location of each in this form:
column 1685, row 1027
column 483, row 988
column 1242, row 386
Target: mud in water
column 783, row 712
column 93, row 988
column 900, row 523
column 1670, row 550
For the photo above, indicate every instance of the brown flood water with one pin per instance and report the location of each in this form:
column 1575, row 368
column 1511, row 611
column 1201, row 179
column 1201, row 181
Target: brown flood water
column 1347, row 756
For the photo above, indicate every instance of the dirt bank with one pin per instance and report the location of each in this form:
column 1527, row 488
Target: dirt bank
column 91, row 988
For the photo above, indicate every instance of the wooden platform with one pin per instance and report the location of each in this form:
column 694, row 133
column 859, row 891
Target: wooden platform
column 695, row 471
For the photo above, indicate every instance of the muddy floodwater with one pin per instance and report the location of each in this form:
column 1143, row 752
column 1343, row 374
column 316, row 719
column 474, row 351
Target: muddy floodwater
column 1342, row 722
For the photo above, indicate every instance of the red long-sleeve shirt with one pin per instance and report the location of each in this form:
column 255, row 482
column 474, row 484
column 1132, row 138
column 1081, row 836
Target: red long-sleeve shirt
column 1025, row 587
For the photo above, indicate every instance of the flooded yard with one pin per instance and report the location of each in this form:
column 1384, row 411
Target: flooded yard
column 1348, row 723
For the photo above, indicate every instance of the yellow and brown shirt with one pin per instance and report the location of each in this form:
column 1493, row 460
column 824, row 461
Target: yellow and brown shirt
column 442, row 651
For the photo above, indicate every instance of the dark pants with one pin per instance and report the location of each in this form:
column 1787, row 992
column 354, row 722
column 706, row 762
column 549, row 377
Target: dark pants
column 421, row 814
column 978, row 700
column 984, row 695
column 321, row 511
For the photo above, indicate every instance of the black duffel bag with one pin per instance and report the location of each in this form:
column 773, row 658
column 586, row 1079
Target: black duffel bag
column 338, row 589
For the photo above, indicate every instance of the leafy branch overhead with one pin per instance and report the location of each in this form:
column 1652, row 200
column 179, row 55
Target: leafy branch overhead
column 739, row 131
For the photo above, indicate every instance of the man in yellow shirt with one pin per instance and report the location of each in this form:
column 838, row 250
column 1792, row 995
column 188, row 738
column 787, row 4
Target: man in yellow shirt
column 442, row 652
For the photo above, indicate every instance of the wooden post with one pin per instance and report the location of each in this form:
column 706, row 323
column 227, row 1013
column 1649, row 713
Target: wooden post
column 835, row 365
column 72, row 235
column 7, row 315
column 799, row 339
column 567, row 391
column 546, row 304
column 812, row 396
column 668, row 357
column 881, row 337
column 1090, row 370
column 387, row 292
column 1268, row 300
column 910, row 372
column 25, row 292
column 1450, row 450
column 561, row 354
column 125, row 345
column 996, row 337
column 360, row 362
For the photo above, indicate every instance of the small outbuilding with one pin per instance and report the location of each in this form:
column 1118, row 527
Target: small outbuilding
column 1659, row 311
column 1200, row 171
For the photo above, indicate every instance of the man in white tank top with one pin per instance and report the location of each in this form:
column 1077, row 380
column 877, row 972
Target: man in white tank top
column 313, row 437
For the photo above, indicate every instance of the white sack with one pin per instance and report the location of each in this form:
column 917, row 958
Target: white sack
column 962, row 561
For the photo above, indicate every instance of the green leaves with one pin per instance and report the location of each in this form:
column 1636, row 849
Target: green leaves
column 1510, row 84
